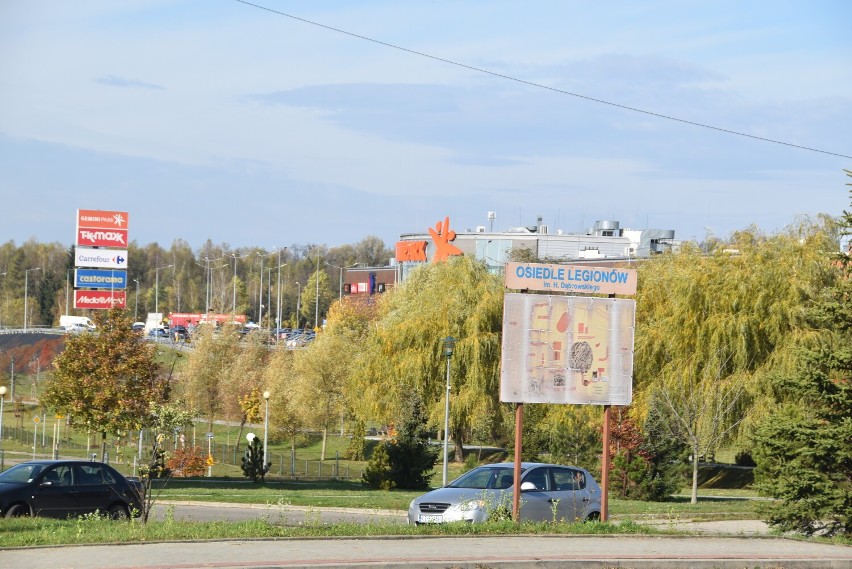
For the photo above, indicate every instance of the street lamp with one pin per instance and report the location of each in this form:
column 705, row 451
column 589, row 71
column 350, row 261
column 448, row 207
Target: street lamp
column 67, row 289
column 234, row 307
column 298, row 303
column 266, row 395
column 316, row 300
column 157, row 287
column 2, row 400
column 26, row 291
column 3, row 274
column 340, row 289
column 136, row 309
column 449, row 345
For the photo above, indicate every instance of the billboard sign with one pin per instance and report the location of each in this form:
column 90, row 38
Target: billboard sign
column 567, row 349
column 101, row 258
column 101, row 237
column 100, row 278
column 99, row 299
column 574, row 279
column 100, row 219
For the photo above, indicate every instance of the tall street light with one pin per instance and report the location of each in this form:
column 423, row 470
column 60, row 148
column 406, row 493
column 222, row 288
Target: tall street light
column 136, row 308
column 67, row 289
column 3, row 274
column 298, row 303
column 449, row 345
column 316, row 300
column 26, row 291
column 2, row 400
column 234, row 307
column 157, row 287
column 278, row 292
column 340, row 289
column 266, row 396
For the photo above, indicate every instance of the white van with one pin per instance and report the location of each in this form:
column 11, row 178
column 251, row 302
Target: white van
column 76, row 323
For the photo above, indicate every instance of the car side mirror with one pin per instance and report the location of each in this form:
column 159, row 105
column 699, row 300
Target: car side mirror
column 46, row 483
column 528, row 486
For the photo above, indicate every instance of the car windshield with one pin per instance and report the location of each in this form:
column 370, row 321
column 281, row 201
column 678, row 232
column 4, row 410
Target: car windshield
column 486, row 477
column 21, row 474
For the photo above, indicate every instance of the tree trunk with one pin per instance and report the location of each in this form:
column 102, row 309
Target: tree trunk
column 103, row 446
column 240, row 435
column 324, row 437
column 694, row 499
column 458, row 448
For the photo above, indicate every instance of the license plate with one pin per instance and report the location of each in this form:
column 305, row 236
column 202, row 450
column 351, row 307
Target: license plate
column 430, row 518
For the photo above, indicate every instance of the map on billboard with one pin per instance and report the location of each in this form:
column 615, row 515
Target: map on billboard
column 567, row 349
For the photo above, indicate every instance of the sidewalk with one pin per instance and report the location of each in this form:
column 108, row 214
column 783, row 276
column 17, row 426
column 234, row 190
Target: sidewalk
column 501, row 552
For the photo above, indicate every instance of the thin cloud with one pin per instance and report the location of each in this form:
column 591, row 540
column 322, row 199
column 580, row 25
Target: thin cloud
column 115, row 81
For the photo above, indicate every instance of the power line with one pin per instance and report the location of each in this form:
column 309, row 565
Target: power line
column 541, row 86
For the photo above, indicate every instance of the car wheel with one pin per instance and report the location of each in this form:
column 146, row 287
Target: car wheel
column 18, row 511
column 593, row 517
column 118, row 512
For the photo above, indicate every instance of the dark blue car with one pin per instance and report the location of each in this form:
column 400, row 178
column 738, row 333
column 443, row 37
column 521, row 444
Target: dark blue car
column 68, row 488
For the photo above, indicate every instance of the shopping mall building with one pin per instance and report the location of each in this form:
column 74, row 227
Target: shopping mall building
column 605, row 243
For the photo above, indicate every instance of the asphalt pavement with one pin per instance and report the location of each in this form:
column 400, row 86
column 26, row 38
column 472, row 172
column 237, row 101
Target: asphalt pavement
column 732, row 544
column 499, row 552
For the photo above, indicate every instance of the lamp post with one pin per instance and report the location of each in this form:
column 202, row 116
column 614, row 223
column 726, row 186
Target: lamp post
column 157, row 287
column 316, row 300
column 67, row 289
column 2, row 400
column 136, row 308
column 3, row 274
column 234, row 307
column 449, row 345
column 340, row 288
column 298, row 302
column 278, row 292
column 266, row 396
column 26, row 291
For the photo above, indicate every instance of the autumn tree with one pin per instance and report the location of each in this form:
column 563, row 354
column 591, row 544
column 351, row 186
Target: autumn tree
column 320, row 372
column 208, row 369
column 404, row 351
column 284, row 418
column 105, row 381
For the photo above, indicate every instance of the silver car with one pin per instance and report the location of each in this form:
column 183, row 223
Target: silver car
column 549, row 492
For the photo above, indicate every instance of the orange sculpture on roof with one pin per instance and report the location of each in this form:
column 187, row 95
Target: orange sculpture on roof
column 442, row 235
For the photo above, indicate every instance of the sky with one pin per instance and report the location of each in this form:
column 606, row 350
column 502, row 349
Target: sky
column 292, row 122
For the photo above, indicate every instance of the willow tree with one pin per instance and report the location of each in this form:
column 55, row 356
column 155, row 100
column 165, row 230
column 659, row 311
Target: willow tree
column 105, row 381
column 404, row 352
column 242, row 383
column 203, row 380
column 711, row 326
column 320, row 372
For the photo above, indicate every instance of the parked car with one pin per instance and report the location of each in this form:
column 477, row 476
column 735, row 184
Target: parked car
column 549, row 492
column 68, row 488
column 138, row 327
column 158, row 333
